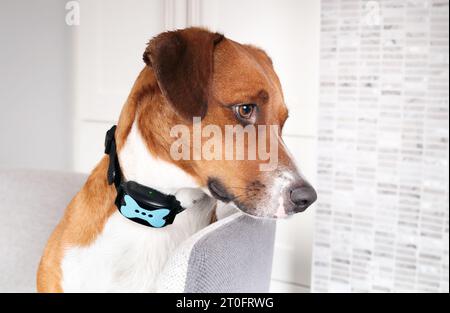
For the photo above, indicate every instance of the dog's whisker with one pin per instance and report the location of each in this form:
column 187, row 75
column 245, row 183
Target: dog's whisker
column 239, row 196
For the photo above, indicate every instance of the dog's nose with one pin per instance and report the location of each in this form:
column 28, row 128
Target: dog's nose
column 302, row 197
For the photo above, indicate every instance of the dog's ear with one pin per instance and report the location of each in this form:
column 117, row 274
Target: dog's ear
column 183, row 64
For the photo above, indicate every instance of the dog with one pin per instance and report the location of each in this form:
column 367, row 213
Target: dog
column 188, row 73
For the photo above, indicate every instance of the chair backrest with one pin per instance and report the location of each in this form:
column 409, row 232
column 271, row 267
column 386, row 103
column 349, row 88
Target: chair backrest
column 31, row 204
column 232, row 255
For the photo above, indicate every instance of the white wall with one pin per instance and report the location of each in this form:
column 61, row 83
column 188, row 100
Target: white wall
column 35, row 114
column 108, row 46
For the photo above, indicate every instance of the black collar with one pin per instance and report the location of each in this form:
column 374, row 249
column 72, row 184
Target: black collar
column 139, row 203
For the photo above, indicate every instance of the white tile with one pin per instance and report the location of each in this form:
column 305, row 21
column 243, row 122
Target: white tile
column 383, row 150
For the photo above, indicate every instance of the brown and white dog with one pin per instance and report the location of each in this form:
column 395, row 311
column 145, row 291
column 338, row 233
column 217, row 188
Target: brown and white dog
column 188, row 73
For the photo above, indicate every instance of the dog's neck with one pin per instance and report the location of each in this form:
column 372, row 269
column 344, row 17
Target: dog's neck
column 139, row 165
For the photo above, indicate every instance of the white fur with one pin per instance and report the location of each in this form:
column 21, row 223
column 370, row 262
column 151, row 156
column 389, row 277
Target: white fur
column 279, row 187
column 128, row 256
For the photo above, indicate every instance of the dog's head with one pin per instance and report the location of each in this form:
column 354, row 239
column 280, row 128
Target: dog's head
column 232, row 89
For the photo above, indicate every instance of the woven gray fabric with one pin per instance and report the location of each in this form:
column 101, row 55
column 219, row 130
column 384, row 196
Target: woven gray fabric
column 236, row 257
column 31, row 204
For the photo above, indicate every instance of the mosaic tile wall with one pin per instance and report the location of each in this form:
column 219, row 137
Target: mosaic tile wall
column 382, row 218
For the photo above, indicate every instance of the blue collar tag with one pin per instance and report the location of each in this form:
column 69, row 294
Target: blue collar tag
column 133, row 211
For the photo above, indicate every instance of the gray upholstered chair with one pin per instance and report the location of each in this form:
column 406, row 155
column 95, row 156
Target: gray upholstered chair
column 232, row 255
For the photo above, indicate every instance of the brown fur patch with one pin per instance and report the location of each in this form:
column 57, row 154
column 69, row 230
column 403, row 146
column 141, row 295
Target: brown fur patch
column 183, row 63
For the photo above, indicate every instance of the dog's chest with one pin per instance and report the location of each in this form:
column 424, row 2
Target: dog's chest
column 126, row 256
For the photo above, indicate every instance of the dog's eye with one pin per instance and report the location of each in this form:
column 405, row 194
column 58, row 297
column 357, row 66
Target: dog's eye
column 246, row 112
